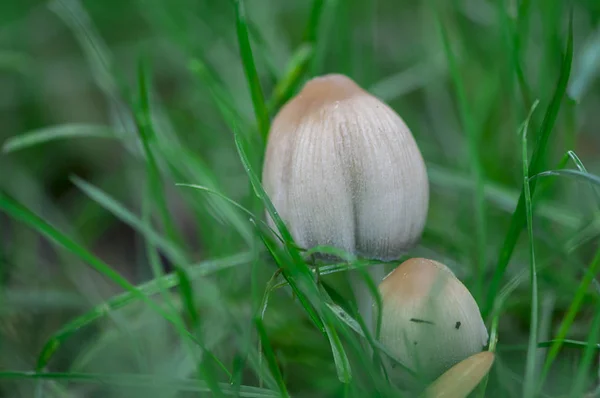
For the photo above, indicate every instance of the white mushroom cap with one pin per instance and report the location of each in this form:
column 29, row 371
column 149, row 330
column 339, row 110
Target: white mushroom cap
column 430, row 321
column 343, row 170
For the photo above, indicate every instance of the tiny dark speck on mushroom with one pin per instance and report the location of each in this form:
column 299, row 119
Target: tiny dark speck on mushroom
column 457, row 326
column 416, row 320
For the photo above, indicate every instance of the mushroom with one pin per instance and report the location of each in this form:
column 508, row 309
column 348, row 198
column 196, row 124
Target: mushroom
column 343, row 170
column 461, row 379
column 430, row 321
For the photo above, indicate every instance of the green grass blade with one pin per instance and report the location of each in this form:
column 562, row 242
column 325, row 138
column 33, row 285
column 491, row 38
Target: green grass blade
column 569, row 317
column 137, row 381
column 270, row 355
column 353, row 324
column 342, row 364
column 147, row 135
column 233, row 203
column 288, row 84
column 301, row 59
column 149, row 288
column 19, row 212
column 258, row 99
column 171, row 250
column 312, row 28
column 476, row 170
column 589, row 354
column 544, row 344
column 576, row 174
column 54, row 133
column 297, row 272
column 580, row 166
column 537, row 164
column 514, row 38
column 529, row 386
column 281, row 262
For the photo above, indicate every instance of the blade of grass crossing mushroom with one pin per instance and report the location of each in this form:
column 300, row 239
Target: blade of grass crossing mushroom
column 536, row 165
column 127, row 298
column 590, row 352
column 233, row 203
column 322, row 322
column 346, row 318
column 270, row 355
column 342, row 364
column 258, row 100
column 299, row 275
column 529, row 386
column 55, row 133
column 273, row 249
column 474, row 161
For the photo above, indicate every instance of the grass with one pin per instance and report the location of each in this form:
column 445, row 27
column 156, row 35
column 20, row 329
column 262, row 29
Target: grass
column 135, row 257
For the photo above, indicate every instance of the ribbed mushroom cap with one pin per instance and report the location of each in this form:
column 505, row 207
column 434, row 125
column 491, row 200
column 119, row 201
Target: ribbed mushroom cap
column 343, row 170
column 430, row 321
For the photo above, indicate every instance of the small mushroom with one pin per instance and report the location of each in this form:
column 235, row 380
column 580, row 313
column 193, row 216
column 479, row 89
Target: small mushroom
column 461, row 379
column 343, row 170
column 430, row 321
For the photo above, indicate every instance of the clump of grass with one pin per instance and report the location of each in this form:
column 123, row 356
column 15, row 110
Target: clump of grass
column 181, row 290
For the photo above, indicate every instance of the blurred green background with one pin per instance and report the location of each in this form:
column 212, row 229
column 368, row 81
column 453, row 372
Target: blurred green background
column 134, row 96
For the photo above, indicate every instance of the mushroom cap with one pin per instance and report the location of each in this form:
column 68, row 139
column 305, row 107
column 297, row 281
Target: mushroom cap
column 430, row 321
column 342, row 169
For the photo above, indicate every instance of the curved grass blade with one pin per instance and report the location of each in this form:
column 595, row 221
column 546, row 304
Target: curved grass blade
column 124, row 299
column 258, row 99
column 139, row 381
column 587, row 177
column 537, row 164
column 54, row 133
column 233, row 203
